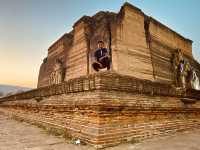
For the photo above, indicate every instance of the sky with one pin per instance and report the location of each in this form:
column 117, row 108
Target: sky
column 29, row 27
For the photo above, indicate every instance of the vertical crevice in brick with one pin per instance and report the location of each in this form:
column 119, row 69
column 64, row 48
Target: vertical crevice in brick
column 110, row 41
column 88, row 53
column 148, row 40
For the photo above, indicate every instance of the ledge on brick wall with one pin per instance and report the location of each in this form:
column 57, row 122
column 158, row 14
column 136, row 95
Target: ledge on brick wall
column 188, row 100
column 193, row 94
column 105, row 81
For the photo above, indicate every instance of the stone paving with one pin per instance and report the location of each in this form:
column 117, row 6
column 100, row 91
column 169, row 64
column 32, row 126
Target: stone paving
column 189, row 140
column 16, row 135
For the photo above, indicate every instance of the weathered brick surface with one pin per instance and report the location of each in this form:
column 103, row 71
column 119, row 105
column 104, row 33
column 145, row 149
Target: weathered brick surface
column 107, row 108
column 139, row 45
column 135, row 100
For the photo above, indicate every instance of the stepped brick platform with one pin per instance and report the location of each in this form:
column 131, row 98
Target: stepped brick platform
column 142, row 95
column 107, row 108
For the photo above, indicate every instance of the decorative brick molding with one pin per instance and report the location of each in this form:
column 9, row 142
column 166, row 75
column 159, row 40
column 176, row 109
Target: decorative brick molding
column 106, row 81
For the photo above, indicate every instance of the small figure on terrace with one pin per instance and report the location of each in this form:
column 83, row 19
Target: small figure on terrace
column 194, row 80
column 102, row 57
column 184, row 69
column 58, row 74
column 177, row 58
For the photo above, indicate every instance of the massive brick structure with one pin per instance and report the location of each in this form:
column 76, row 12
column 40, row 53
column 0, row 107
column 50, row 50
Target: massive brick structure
column 137, row 99
column 140, row 46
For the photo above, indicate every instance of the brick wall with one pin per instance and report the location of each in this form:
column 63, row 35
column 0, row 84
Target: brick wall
column 107, row 108
column 140, row 46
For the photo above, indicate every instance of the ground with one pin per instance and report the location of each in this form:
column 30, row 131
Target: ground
column 16, row 135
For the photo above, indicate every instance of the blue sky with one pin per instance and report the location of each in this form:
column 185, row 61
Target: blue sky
column 29, row 27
